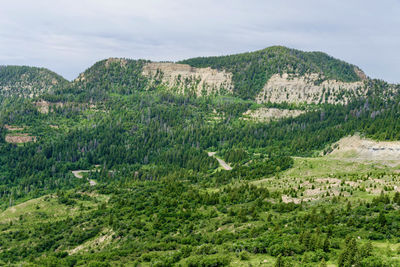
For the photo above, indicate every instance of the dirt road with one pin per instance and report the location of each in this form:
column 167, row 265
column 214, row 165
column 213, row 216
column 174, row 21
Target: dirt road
column 79, row 174
column 221, row 162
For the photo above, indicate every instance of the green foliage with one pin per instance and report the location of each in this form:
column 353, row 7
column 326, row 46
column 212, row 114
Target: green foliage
column 207, row 261
column 112, row 76
column 235, row 155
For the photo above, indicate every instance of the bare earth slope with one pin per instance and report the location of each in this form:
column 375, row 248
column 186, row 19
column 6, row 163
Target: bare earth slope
column 361, row 149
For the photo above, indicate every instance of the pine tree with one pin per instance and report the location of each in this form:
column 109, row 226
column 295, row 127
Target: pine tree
column 326, row 245
column 366, row 249
column 382, row 219
column 396, row 198
column 279, row 261
column 350, row 256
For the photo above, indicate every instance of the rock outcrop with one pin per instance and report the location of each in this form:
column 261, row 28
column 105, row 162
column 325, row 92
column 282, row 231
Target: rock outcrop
column 308, row 89
column 183, row 78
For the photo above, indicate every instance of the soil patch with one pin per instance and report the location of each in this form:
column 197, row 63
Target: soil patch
column 20, row 138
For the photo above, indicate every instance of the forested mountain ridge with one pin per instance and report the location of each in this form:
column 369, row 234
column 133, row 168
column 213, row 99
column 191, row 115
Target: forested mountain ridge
column 276, row 74
column 23, row 81
column 119, row 75
column 272, row 75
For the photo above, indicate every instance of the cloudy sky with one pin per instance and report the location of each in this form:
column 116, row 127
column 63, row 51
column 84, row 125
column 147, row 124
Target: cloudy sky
column 69, row 36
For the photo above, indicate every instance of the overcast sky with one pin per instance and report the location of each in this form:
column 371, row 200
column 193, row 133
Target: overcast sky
column 69, row 36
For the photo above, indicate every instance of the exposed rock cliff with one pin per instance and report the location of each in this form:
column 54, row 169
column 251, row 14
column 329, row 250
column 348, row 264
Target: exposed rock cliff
column 183, row 78
column 308, row 89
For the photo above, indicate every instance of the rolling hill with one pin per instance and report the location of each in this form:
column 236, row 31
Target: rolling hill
column 23, row 81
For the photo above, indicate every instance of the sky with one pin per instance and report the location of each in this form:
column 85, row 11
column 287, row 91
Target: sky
column 70, row 36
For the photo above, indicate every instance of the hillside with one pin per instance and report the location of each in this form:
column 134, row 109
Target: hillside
column 137, row 163
column 23, row 81
column 113, row 75
column 124, row 76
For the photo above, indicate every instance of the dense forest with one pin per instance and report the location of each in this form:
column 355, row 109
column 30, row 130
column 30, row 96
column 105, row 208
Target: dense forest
column 113, row 173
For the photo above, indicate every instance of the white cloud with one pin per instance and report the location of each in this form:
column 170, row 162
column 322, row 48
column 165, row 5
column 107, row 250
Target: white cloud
column 69, row 36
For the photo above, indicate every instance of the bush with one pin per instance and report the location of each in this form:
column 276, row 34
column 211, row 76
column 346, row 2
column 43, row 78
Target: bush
column 244, row 256
column 208, row 261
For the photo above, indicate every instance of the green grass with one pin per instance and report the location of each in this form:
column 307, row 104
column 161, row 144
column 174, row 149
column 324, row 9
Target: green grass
column 334, row 175
column 46, row 209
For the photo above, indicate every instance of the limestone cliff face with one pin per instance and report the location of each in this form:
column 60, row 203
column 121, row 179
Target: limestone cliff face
column 183, row 78
column 308, row 89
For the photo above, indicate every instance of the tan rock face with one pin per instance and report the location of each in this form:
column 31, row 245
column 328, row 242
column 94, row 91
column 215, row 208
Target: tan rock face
column 183, row 78
column 44, row 106
column 300, row 89
column 268, row 114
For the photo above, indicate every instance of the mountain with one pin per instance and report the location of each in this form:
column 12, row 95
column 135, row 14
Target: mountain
column 273, row 75
column 276, row 67
column 123, row 76
column 272, row 158
column 114, row 75
column 26, row 81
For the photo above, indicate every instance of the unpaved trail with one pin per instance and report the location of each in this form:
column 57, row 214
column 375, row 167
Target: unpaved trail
column 220, row 161
column 78, row 173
